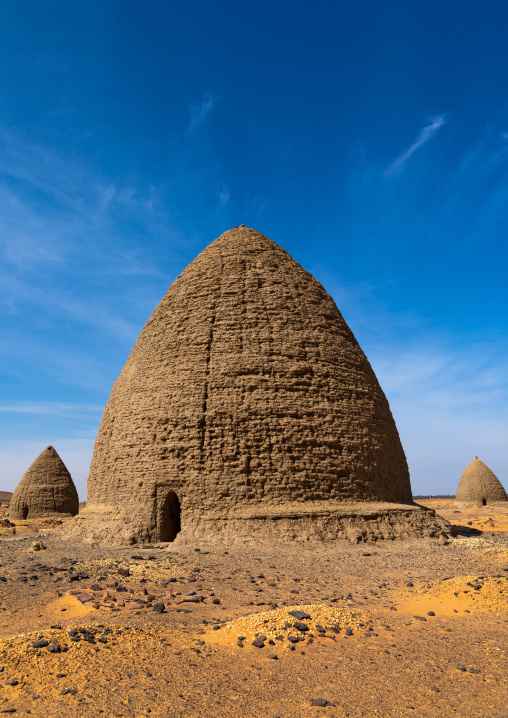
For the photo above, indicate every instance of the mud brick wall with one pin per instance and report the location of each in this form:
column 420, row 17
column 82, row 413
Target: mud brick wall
column 46, row 489
column 478, row 485
column 246, row 386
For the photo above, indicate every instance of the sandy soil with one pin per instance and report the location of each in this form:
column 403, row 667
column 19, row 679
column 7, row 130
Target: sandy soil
column 391, row 629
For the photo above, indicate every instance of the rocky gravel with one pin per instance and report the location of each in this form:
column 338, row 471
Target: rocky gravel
column 87, row 629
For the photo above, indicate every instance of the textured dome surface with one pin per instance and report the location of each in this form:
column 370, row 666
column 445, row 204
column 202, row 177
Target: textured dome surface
column 479, row 485
column 246, row 386
column 46, row 489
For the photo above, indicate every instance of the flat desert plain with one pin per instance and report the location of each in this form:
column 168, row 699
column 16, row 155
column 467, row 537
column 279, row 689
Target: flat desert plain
column 388, row 629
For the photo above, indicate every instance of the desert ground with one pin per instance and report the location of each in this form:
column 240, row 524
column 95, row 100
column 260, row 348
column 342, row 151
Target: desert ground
column 395, row 628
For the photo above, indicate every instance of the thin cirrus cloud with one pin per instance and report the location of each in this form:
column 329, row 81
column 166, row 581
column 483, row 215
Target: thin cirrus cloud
column 199, row 111
column 447, row 407
column 46, row 408
column 224, row 196
column 58, row 215
column 425, row 136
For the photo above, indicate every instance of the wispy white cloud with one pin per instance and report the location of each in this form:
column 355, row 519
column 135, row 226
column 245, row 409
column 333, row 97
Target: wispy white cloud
column 449, row 402
column 425, row 136
column 48, row 408
column 60, row 219
column 199, row 111
column 224, row 196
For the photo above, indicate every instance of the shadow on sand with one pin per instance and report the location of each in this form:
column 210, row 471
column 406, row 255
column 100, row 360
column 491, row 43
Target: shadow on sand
column 458, row 530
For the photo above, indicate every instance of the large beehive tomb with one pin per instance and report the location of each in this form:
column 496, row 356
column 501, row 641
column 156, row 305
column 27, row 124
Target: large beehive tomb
column 46, row 489
column 247, row 408
column 479, row 485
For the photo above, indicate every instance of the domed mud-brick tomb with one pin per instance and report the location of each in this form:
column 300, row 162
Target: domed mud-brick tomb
column 479, row 485
column 247, row 409
column 46, row 489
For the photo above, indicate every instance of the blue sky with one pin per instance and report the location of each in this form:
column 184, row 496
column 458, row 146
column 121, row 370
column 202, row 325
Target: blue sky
column 368, row 139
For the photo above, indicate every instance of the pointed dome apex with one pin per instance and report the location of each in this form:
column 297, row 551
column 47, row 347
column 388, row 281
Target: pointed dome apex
column 46, row 489
column 242, row 239
column 479, row 485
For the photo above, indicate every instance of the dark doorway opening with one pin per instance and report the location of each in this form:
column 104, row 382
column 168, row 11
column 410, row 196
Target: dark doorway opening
column 24, row 512
column 485, row 502
column 169, row 515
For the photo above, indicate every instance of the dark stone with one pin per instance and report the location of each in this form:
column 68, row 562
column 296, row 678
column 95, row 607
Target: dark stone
column 410, row 584
column 40, row 644
column 259, row 642
column 123, row 572
column 273, row 656
column 349, row 632
column 301, row 626
column 158, row 607
column 216, row 601
column 430, row 613
column 102, row 639
column 96, row 587
column 460, row 667
column 320, row 702
column 419, row 618
column 292, row 639
column 320, row 628
column 474, row 670
column 11, row 682
column 54, row 648
column 299, row 615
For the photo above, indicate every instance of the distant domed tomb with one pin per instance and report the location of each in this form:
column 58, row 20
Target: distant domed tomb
column 46, row 489
column 479, row 485
column 247, row 410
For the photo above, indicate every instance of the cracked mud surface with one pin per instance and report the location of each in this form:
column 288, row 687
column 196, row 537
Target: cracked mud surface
column 102, row 649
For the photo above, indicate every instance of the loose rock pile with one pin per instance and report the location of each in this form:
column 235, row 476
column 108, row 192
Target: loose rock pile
column 291, row 625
